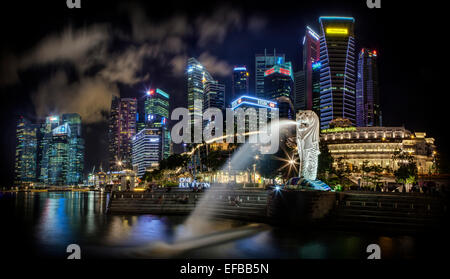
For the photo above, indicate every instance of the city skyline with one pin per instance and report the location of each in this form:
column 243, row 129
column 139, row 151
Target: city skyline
column 391, row 117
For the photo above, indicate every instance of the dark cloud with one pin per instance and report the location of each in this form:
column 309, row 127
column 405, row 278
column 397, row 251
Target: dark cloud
column 89, row 97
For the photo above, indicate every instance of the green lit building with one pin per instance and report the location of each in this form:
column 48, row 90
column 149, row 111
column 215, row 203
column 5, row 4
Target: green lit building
column 156, row 116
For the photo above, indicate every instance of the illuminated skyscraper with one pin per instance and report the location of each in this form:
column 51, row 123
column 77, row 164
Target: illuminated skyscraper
column 264, row 62
column 75, row 156
column 122, row 127
column 147, row 147
column 278, row 86
column 303, row 97
column 214, row 97
column 338, row 70
column 51, row 122
column 62, row 150
column 315, row 79
column 240, row 80
column 197, row 76
column 247, row 102
column 26, row 152
column 299, row 95
column 157, row 115
column 368, row 111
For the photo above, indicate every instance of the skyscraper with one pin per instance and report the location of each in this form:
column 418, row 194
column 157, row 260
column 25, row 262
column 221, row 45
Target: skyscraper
column 278, row 86
column 75, row 151
column 338, row 79
column 26, row 151
column 316, row 86
column 299, row 94
column 264, row 62
column 156, row 107
column 213, row 97
column 311, row 54
column 147, row 147
column 122, row 127
column 61, row 150
column 240, row 81
column 197, row 76
column 157, row 115
column 368, row 111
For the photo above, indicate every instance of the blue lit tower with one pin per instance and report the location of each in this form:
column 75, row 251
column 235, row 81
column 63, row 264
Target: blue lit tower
column 368, row 111
column 240, row 80
column 264, row 62
column 315, row 81
column 26, row 151
column 278, row 86
column 338, row 70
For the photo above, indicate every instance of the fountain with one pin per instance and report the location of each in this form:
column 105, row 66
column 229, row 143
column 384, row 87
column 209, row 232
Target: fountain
column 199, row 230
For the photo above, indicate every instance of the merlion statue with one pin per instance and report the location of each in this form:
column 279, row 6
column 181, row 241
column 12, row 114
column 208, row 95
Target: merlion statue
column 308, row 143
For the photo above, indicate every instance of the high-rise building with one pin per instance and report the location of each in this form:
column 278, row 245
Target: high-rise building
column 61, row 150
column 264, row 62
column 311, row 53
column 368, row 111
column 156, row 107
column 147, row 147
column 157, row 115
column 75, row 151
column 26, row 151
column 316, row 86
column 197, row 76
column 299, row 96
column 122, row 127
column 246, row 102
column 213, row 97
column 338, row 70
column 240, row 80
column 278, row 86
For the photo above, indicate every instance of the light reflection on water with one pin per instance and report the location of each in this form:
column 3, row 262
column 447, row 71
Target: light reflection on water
column 56, row 219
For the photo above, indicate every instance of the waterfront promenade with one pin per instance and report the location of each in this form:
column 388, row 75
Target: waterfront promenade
column 353, row 210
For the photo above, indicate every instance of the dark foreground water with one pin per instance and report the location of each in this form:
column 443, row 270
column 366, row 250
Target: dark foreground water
column 43, row 224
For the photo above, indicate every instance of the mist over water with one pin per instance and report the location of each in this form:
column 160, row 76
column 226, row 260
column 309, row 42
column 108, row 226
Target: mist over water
column 199, row 221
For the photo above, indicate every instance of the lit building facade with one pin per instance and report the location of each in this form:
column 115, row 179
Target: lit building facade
column 51, row 153
column 240, row 82
column 303, row 98
column 197, row 76
column 338, row 70
column 377, row 145
column 278, row 86
column 368, row 111
column 299, row 95
column 122, row 127
column 26, row 160
column 315, row 79
column 264, row 62
column 147, row 149
column 246, row 102
column 157, row 116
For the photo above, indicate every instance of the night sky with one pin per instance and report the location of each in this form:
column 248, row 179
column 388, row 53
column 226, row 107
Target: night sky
column 58, row 60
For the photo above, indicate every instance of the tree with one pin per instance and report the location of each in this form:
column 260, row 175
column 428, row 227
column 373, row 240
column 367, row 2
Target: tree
column 325, row 160
column 407, row 171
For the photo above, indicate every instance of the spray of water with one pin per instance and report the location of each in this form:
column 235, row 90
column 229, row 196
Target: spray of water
column 199, row 221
